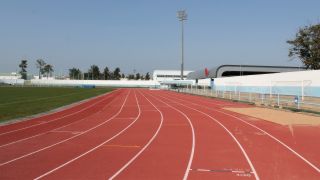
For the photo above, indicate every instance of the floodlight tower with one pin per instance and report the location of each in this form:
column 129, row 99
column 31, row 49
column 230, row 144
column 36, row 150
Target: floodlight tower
column 182, row 16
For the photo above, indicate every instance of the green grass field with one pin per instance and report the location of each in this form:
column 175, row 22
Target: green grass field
column 16, row 102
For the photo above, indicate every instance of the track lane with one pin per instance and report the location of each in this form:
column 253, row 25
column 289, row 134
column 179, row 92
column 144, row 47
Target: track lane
column 47, row 139
column 139, row 149
column 40, row 162
column 123, row 168
column 299, row 140
column 117, row 132
column 72, row 109
column 170, row 154
column 48, row 124
column 302, row 139
column 285, row 162
column 219, row 155
column 111, row 155
column 67, row 124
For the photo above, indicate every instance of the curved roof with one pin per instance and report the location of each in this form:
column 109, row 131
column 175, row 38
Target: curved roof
column 223, row 70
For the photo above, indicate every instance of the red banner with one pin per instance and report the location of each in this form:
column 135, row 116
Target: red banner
column 206, row 72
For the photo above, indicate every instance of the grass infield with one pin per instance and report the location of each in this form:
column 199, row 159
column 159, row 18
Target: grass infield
column 17, row 102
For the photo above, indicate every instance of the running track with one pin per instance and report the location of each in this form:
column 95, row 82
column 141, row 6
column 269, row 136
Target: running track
column 154, row 134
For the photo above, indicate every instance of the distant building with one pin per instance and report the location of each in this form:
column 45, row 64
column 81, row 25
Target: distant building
column 240, row 70
column 44, row 77
column 12, row 75
column 168, row 75
column 11, row 78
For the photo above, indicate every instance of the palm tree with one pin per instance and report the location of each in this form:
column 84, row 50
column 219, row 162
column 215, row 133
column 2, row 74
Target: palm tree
column 48, row 69
column 23, row 65
column 40, row 65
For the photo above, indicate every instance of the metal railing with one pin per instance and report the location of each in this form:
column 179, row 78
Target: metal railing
column 307, row 103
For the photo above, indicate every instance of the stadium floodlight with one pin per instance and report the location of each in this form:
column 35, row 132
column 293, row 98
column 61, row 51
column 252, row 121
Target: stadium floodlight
column 182, row 16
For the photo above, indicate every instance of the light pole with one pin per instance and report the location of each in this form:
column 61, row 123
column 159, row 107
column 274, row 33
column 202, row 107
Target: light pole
column 182, row 16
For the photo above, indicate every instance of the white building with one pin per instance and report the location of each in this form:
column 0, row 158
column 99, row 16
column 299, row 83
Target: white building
column 12, row 75
column 168, row 75
column 11, row 78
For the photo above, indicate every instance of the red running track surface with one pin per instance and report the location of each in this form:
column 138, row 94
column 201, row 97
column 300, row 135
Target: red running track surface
column 155, row 134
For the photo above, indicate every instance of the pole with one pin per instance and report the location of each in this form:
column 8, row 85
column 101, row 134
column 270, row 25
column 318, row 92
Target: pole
column 182, row 49
column 182, row 16
column 302, row 91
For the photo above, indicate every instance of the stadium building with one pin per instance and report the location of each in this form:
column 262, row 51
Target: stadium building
column 168, row 75
column 239, row 70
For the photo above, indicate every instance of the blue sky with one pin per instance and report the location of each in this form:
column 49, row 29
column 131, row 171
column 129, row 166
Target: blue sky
column 145, row 35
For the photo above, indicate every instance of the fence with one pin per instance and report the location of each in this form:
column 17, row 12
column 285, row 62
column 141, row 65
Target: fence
column 96, row 83
column 272, row 98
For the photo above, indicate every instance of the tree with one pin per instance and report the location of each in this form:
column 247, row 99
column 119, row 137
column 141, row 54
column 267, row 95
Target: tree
column 94, row 72
column 137, row 76
column 123, row 76
column 23, row 66
column 130, row 76
column 106, row 73
column 306, row 46
column 74, row 73
column 48, row 69
column 86, row 75
column 40, row 65
column 116, row 74
column 147, row 76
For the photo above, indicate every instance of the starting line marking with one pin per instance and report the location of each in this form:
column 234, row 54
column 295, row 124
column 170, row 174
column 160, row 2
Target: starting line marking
column 222, row 170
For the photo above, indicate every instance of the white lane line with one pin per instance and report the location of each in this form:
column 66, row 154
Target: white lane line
column 204, row 170
column 193, row 137
column 96, row 147
column 277, row 140
column 263, row 131
column 149, row 142
column 82, row 119
column 222, row 171
column 45, row 122
column 228, row 131
column 47, row 147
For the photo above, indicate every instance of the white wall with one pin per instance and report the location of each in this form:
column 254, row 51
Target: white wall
column 10, row 77
column 291, row 83
column 106, row 83
column 204, row 82
column 288, row 78
column 12, row 81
